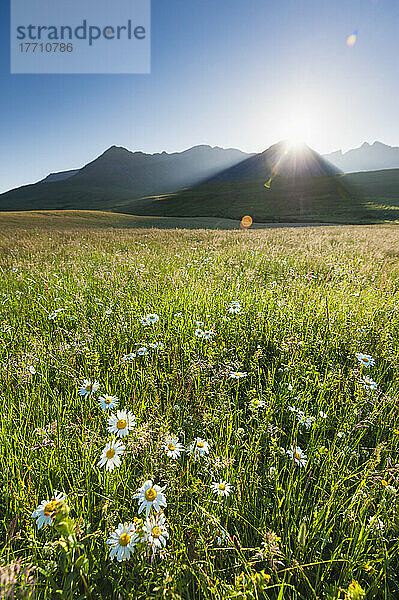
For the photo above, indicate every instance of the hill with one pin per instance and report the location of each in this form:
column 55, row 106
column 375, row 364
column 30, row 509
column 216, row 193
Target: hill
column 118, row 175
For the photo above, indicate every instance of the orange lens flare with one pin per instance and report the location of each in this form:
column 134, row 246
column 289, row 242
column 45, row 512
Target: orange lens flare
column 246, row 222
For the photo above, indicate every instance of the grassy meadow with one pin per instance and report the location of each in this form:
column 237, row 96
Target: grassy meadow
column 285, row 476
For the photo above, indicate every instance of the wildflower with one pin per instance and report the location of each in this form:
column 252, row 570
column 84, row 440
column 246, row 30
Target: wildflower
column 323, row 415
column 297, row 455
column 369, row 384
column 355, row 592
column 44, row 512
column 88, row 387
column 108, row 402
column 221, row 536
column 110, row 456
column 199, row 323
column 365, row 359
column 376, row 526
column 199, row 333
column 121, row 423
column 256, row 403
column 207, row 335
column 150, row 496
column 157, row 346
column 172, row 447
column 223, row 488
column 128, row 357
column 155, row 532
column 123, row 541
column 150, row 319
column 304, row 419
column 199, row 447
column 32, row 370
column 238, row 374
column 234, row 307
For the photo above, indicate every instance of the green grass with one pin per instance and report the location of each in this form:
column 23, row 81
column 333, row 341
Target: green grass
column 311, row 298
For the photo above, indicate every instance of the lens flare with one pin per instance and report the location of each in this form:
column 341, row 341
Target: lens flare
column 351, row 40
column 246, row 222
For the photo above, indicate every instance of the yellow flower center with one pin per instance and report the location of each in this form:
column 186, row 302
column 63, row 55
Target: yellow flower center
column 222, row 486
column 121, row 424
column 200, row 444
column 150, row 495
column 50, row 507
column 89, row 387
column 297, row 456
column 171, row 447
column 156, row 531
column 107, row 401
column 384, row 483
column 110, row 453
column 124, row 539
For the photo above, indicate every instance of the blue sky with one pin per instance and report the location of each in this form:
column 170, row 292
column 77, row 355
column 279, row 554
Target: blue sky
column 225, row 73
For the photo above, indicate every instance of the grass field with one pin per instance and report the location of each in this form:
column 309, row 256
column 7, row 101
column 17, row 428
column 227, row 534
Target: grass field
column 286, row 486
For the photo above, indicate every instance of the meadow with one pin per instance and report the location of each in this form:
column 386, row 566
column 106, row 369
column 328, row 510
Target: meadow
column 255, row 451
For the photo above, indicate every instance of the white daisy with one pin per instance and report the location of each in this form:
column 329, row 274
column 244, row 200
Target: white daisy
column 223, row 488
column 298, row 456
column 172, row 447
column 365, row 359
column 155, row 532
column 157, row 346
column 234, row 307
column 207, row 335
column 150, row 319
column 369, row 384
column 121, row 423
column 150, row 496
column 110, row 456
column 199, row 333
column 43, row 513
column 142, row 351
column 144, row 321
column 256, row 403
column 199, row 323
column 123, row 541
column 304, row 419
column 88, row 387
column 128, row 357
column 238, row 374
column 323, row 415
column 108, row 402
column 199, row 447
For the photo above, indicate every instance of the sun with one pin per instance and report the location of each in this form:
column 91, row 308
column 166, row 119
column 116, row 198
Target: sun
column 299, row 129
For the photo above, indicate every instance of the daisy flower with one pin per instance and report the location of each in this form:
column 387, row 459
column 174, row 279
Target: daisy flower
column 199, row 323
column 108, row 402
column 128, row 357
column 207, row 335
column 150, row 319
column 150, row 496
column 43, row 513
column 369, row 384
column 142, row 351
column 121, row 423
column 199, row 447
column 123, row 541
column 234, row 307
column 223, row 488
column 298, row 456
column 88, row 387
column 155, row 532
column 172, row 447
column 110, row 456
column 144, row 321
column 199, row 333
column 304, row 419
column 365, row 359
column 238, row 374
column 157, row 346
column 257, row 403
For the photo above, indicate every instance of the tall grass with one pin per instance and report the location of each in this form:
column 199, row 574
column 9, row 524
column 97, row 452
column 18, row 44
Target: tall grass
column 310, row 300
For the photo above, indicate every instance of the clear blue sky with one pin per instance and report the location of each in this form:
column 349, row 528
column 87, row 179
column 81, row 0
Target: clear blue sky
column 225, row 72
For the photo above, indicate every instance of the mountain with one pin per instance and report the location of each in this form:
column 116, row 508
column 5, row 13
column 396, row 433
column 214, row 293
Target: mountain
column 300, row 186
column 369, row 157
column 119, row 175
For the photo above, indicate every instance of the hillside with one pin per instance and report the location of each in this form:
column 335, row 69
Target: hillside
column 368, row 157
column 119, row 175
